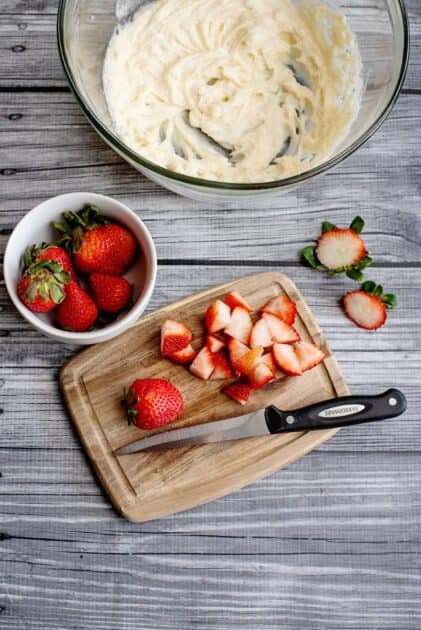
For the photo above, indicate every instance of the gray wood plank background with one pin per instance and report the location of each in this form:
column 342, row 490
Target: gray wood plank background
column 333, row 541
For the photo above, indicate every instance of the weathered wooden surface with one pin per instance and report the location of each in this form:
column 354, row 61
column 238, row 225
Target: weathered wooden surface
column 333, row 541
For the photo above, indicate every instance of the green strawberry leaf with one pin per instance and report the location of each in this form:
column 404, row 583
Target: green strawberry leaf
column 378, row 291
column 390, row 300
column 355, row 274
column 357, row 225
column 57, row 294
column 309, row 255
column 368, row 286
column 326, row 226
column 60, row 227
column 43, row 291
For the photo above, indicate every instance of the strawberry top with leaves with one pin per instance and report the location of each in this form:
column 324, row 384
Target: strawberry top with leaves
column 339, row 250
column 96, row 243
column 42, row 286
column 49, row 252
column 367, row 306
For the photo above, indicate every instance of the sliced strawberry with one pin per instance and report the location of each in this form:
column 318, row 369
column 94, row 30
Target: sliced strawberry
column 308, row 355
column 365, row 310
column 239, row 391
column 222, row 369
column 240, row 325
column 246, row 363
column 260, row 334
column 260, row 376
column 217, row 316
column 267, row 359
column 282, row 307
column 280, row 331
column 234, row 299
column 186, row 355
column 214, row 343
column 340, row 247
column 204, row 364
column 286, row 359
column 236, row 350
column 174, row 337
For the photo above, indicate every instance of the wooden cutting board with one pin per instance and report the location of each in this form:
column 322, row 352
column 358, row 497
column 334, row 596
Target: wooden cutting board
column 147, row 485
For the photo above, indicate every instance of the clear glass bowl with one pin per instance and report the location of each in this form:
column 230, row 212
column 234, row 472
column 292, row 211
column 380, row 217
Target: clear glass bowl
column 84, row 28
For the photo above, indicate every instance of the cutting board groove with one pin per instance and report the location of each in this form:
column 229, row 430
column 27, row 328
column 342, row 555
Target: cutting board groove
column 149, row 485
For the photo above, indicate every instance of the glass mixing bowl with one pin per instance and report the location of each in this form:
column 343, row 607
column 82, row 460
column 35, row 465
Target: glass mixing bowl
column 84, row 28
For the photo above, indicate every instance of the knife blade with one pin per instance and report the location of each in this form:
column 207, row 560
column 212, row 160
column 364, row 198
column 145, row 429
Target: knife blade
column 327, row 414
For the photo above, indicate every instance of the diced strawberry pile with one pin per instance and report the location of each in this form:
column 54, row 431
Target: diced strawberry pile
column 237, row 346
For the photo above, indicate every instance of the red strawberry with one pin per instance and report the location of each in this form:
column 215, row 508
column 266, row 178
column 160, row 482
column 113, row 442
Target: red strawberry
column 282, row 307
column 217, row 316
column 111, row 293
column 153, row 402
column 214, row 343
column 308, row 355
column 280, row 331
column 260, row 376
column 174, row 337
column 234, row 299
column 236, row 350
column 222, row 369
column 286, row 359
column 41, row 288
column 267, row 359
column 240, row 324
column 50, row 253
column 239, row 391
column 204, row 364
column 366, row 310
column 340, row 247
column 78, row 312
column 186, row 355
column 96, row 243
column 245, row 364
column 260, row 334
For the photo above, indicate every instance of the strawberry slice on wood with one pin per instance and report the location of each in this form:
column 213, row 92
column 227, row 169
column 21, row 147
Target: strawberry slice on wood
column 204, row 364
column 286, row 359
column 267, row 359
column 234, row 299
column 218, row 316
column 240, row 325
column 246, row 363
column 281, row 306
column 308, row 355
column 236, row 350
column 214, row 343
column 260, row 376
column 174, row 337
column 222, row 369
column 184, row 356
column 260, row 334
column 239, row 391
column 280, row 331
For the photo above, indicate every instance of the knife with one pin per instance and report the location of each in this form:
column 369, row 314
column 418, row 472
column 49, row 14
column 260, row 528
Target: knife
column 327, row 414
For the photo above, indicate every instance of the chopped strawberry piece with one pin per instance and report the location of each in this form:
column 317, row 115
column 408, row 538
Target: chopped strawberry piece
column 280, row 331
column 260, row 376
column 240, row 325
column 260, row 334
column 186, row 355
column 365, row 310
column 308, row 355
column 340, row 247
column 245, row 364
column 214, row 343
column 204, row 364
column 236, row 350
column 174, row 337
column 282, row 307
column 222, row 369
column 267, row 359
column 286, row 359
column 217, row 316
column 239, row 391
column 234, row 299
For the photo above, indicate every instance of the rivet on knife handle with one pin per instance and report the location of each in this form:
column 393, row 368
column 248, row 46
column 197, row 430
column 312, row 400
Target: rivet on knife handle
column 338, row 412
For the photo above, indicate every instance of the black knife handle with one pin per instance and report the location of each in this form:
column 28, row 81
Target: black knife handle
column 338, row 412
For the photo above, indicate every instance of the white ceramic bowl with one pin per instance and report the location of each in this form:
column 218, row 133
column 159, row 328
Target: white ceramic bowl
column 35, row 227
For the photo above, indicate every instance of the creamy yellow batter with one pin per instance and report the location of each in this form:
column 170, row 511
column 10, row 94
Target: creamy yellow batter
column 233, row 90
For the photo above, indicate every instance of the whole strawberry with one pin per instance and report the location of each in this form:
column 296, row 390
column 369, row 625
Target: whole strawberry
column 111, row 293
column 42, row 286
column 95, row 243
column 53, row 253
column 153, row 402
column 78, row 312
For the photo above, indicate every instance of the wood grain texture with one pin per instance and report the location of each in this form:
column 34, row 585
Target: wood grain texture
column 333, row 541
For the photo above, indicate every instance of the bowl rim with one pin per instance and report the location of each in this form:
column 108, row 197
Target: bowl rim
column 116, row 327
column 118, row 145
